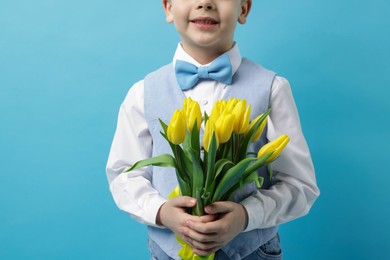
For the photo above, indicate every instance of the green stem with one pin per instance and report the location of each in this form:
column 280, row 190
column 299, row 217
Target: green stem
column 236, row 148
column 225, row 150
column 198, row 209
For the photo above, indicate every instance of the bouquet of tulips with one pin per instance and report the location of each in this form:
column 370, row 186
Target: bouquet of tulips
column 214, row 168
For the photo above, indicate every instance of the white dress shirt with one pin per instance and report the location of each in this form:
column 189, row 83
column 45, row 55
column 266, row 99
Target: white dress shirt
column 293, row 194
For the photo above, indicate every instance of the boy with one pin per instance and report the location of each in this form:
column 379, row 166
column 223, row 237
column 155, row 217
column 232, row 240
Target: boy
column 246, row 228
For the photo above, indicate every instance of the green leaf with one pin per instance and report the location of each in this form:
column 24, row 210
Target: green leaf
column 248, row 138
column 184, row 186
column 164, row 126
column 205, row 117
column 174, row 147
column 195, row 144
column 222, row 166
column 191, row 145
column 228, row 196
column 211, row 160
column 260, row 162
column 187, row 140
column 261, row 181
column 270, row 172
column 231, row 178
column 197, row 183
column 184, row 164
column 197, row 173
column 166, row 138
column 251, row 178
column 164, row 160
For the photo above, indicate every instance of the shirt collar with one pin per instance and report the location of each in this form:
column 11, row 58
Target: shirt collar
column 233, row 53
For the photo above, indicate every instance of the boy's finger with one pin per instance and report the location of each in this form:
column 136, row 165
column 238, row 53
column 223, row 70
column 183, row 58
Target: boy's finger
column 206, row 247
column 219, row 207
column 200, row 240
column 209, row 228
column 183, row 201
column 208, row 218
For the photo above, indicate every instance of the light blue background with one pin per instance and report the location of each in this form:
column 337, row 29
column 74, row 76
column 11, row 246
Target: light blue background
column 66, row 65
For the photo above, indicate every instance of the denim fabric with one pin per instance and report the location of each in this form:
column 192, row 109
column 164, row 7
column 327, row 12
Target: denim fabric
column 269, row 251
column 156, row 253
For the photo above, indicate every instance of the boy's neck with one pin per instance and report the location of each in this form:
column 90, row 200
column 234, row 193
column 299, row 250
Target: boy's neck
column 205, row 55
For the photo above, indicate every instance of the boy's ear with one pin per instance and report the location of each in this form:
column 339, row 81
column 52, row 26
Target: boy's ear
column 168, row 10
column 245, row 8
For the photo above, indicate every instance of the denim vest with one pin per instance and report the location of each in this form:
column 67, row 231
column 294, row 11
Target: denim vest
column 162, row 97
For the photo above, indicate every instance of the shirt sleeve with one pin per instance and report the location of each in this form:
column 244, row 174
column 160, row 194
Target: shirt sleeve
column 295, row 189
column 132, row 191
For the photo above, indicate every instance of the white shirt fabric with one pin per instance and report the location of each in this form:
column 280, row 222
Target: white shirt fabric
column 291, row 197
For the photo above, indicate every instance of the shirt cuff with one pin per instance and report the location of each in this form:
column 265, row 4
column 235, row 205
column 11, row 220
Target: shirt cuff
column 255, row 213
column 154, row 206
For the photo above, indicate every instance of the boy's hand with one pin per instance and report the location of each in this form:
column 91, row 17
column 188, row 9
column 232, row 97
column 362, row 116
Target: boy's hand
column 206, row 237
column 172, row 214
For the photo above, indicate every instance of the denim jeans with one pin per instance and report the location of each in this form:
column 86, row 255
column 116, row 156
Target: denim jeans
column 269, row 251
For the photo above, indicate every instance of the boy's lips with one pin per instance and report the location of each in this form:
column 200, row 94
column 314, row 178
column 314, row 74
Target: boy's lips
column 204, row 22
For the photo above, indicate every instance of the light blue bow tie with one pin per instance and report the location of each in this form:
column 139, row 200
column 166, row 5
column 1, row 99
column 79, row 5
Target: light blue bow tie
column 188, row 74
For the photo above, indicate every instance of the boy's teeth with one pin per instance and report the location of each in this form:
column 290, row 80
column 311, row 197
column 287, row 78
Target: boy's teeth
column 205, row 22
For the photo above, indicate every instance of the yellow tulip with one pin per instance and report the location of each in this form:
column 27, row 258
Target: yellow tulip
column 259, row 130
column 176, row 131
column 276, row 146
column 191, row 110
column 208, row 134
column 241, row 116
column 224, row 127
column 186, row 105
column 217, row 110
column 231, row 104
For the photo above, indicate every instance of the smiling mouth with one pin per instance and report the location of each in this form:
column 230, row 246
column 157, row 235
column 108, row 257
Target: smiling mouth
column 204, row 20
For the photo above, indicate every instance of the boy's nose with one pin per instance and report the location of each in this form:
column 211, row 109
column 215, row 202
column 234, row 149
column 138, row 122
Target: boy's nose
column 204, row 4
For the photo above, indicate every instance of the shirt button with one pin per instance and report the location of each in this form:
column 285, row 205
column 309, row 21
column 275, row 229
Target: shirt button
column 204, row 102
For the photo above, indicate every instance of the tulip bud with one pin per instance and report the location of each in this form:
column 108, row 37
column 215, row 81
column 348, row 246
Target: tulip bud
column 192, row 112
column 208, row 134
column 259, row 130
column 224, row 127
column 176, row 131
column 186, row 103
column 241, row 116
column 276, row 146
column 187, row 106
